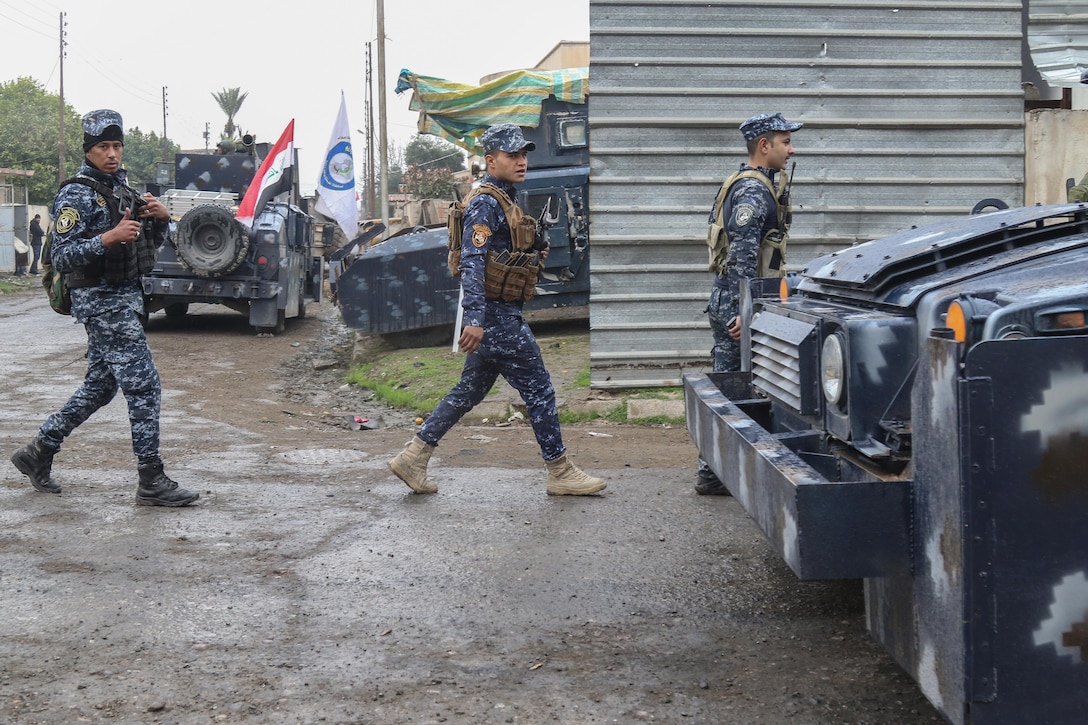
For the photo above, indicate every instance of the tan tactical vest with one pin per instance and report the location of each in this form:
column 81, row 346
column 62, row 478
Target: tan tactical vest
column 509, row 275
column 717, row 240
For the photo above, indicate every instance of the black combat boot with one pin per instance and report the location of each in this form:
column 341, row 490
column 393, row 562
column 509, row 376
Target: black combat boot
column 35, row 461
column 707, row 483
column 158, row 489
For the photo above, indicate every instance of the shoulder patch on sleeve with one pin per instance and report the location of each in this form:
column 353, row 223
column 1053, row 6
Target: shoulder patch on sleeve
column 480, row 234
column 743, row 214
column 66, row 220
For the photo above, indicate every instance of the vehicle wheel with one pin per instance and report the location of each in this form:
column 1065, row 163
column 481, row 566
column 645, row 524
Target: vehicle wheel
column 176, row 309
column 210, row 241
column 301, row 309
column 144, row 318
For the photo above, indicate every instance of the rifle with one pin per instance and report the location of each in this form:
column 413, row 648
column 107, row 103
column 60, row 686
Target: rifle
column 128, row 199
column 787, row 220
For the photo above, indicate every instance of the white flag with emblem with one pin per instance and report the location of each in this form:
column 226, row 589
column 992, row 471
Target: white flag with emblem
column 336, row 196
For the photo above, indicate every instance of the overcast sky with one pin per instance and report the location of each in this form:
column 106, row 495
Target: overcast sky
column 293, row 63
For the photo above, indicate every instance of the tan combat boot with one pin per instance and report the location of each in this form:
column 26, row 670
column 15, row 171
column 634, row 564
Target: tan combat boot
column 410, row 466
column 566, row 479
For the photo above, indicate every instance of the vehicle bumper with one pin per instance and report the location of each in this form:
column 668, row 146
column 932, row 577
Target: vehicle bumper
column 838, row 522
column 190, row 289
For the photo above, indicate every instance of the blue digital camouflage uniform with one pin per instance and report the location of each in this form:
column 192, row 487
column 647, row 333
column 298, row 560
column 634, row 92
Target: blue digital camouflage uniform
column 750, row 212
column 509, row 347
column 118, row 356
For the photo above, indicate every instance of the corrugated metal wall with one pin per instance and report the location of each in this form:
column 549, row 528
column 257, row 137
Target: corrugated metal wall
column 913, row 111
column 1058, row 36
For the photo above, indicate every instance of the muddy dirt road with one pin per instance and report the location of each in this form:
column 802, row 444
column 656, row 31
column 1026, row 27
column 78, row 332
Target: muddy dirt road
column 309, row 586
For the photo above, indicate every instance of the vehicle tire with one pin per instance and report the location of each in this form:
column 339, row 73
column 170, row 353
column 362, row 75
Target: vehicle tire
column 210, row 242
column 301, row 308
column 279, row 328
column 176, row 309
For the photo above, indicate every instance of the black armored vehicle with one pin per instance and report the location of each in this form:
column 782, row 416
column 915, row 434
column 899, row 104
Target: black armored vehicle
column 401, row 288
column 914, row 413
column 267, row 272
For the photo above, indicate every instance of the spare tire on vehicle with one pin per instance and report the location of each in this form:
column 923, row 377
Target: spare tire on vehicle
column 210, row 241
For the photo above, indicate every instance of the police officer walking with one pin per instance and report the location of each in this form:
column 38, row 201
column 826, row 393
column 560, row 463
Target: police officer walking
column 749, row 226
column 494, row 254
column 103, row 249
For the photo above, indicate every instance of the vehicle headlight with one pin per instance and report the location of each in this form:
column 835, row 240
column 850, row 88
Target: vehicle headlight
column 832, row 368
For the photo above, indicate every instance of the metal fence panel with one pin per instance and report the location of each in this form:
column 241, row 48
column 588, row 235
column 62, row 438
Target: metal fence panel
column 913, row 112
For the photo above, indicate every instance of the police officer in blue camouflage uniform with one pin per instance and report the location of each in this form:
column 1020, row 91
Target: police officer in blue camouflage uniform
column 748, row 211
column 103, row 251
column 495, row 336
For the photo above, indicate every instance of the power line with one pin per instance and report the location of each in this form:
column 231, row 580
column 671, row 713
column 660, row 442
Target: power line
column 105, row 74
column 441, row 158
column 44, row 34
column 44, row 15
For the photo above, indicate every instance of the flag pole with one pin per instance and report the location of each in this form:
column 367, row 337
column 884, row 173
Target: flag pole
column 460, row 318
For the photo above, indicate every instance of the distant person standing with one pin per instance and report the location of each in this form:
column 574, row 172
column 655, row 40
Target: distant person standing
column 36, row 234
column 495, row 250
column 103, row 251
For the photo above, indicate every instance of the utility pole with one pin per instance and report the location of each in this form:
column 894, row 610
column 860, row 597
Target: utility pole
column 61, row 175
column 164, row 146
column 370, row 203
column 384, row 146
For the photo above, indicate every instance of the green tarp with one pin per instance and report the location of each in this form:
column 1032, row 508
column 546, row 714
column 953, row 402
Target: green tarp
column 460, row 113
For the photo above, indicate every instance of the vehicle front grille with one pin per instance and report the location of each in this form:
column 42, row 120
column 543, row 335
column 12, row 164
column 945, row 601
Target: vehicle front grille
column 784, row 361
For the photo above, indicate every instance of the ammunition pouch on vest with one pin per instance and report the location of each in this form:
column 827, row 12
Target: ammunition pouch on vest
column 508, row 276
column 772, row 248
column 513, row 279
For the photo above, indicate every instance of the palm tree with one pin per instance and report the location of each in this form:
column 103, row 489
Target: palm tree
column 230, row 100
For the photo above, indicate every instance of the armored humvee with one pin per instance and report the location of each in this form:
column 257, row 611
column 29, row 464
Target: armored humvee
column 267, row 272
column 914, row 413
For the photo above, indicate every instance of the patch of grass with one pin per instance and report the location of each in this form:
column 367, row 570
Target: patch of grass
column 618, row 414
column 410, row 379
column 661, row 420
column 582, row 381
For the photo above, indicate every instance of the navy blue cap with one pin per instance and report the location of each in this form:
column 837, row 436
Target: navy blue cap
column 765, row 123
column 505, row 137
column 102, row 125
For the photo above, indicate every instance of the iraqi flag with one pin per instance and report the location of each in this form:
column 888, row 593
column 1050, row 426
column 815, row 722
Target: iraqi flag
column 272, row 179
column 336, row 186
